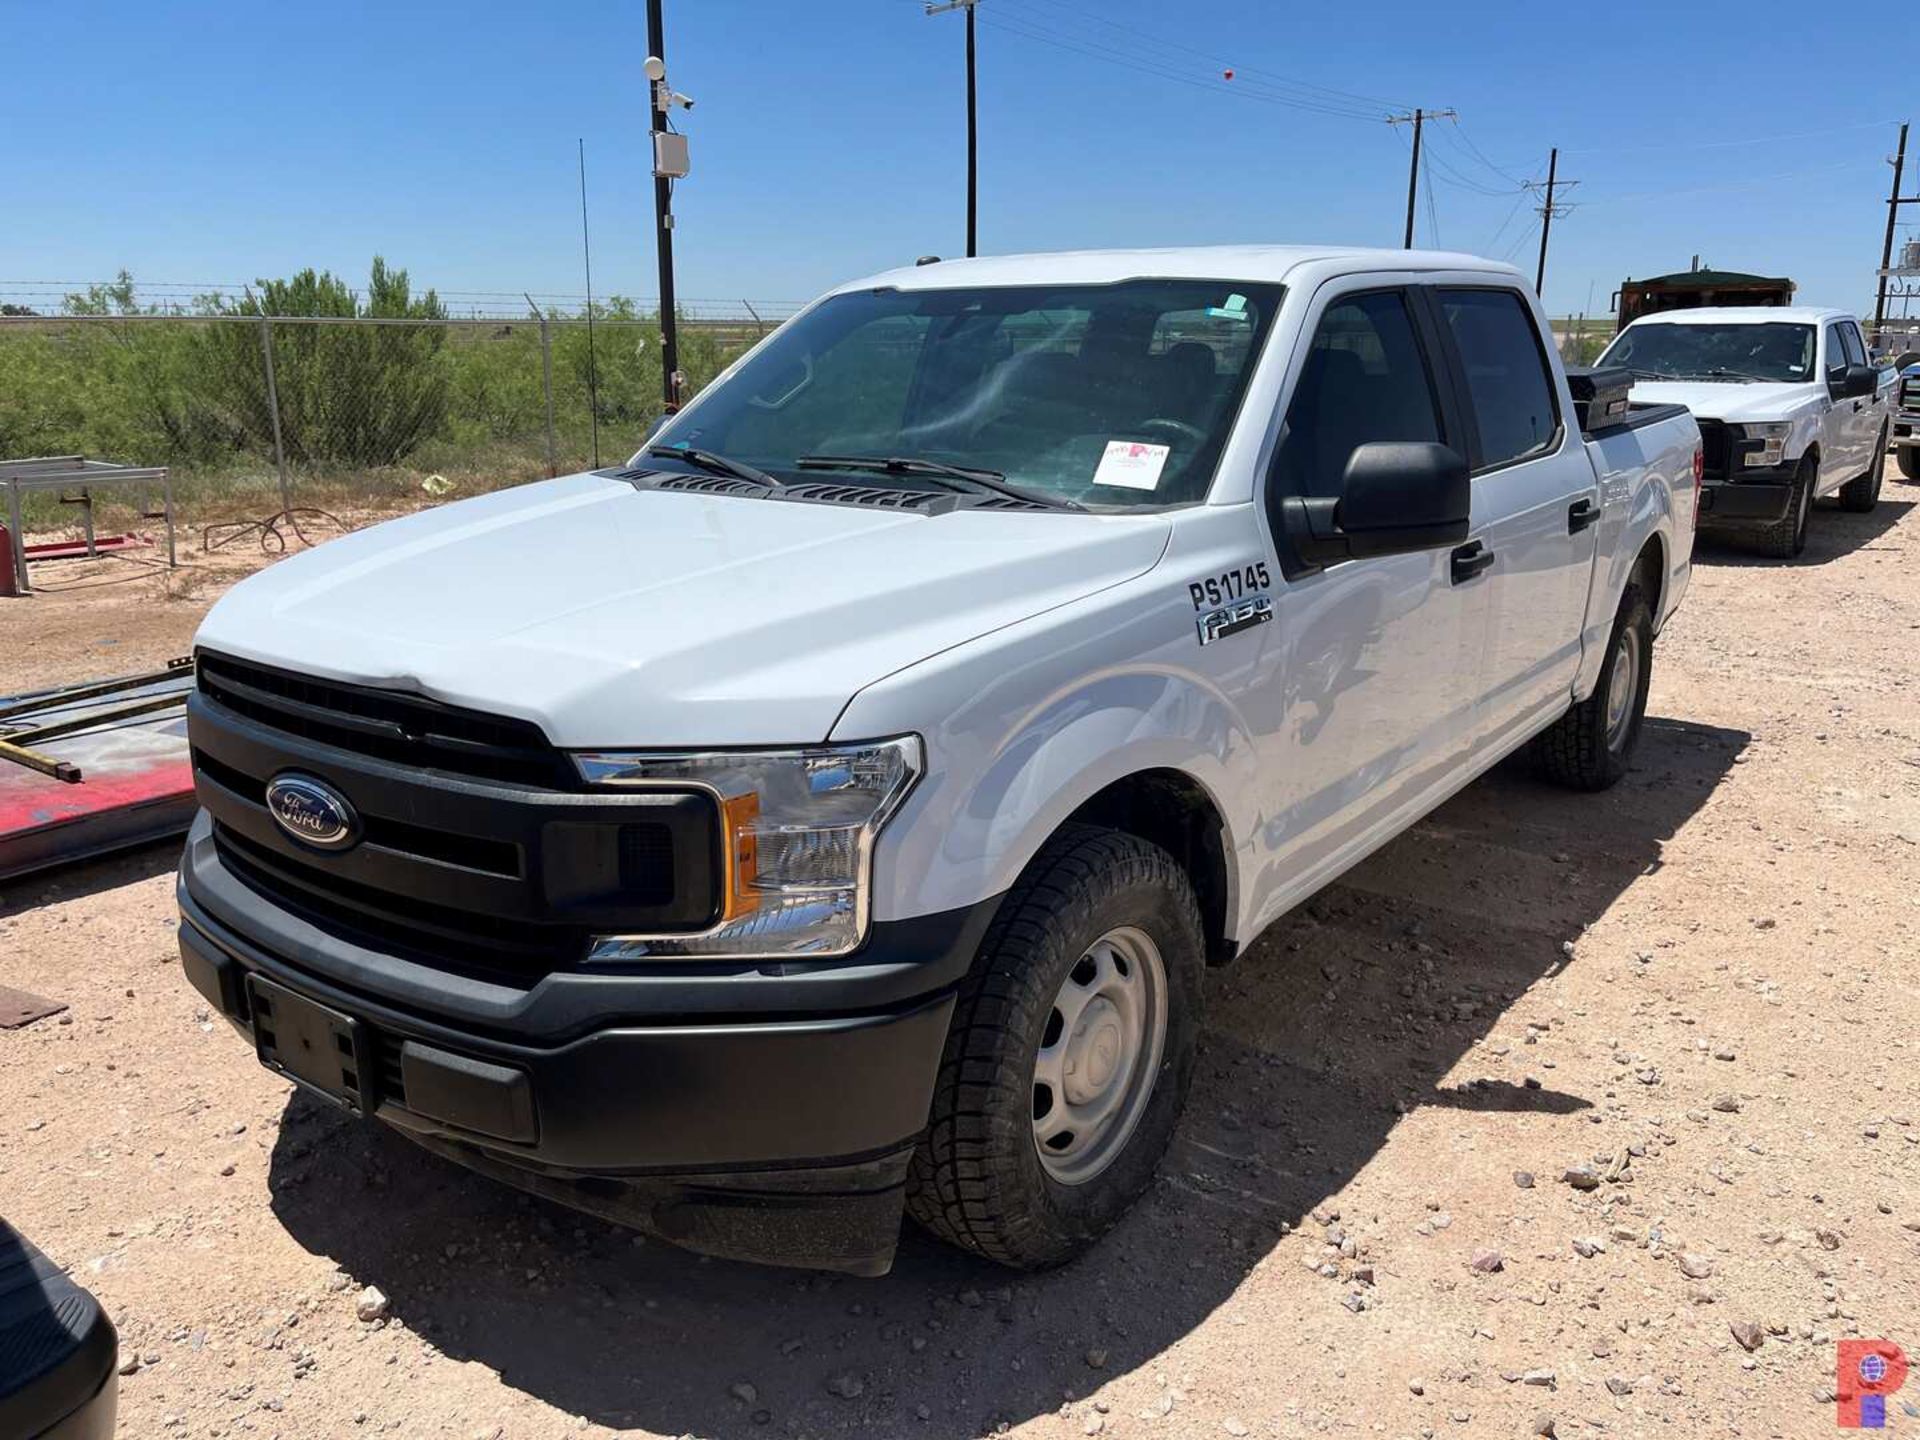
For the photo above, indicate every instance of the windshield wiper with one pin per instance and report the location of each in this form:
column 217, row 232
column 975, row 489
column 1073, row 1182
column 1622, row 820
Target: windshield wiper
column 938, row 470
column 717, row 464
column 1722, row 373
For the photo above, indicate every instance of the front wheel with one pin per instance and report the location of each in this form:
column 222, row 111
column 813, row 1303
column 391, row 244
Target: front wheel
column 1070, row 1054
column 1862, row 493
column 1787, row 536
column 1590, row 746
column 1910, row 462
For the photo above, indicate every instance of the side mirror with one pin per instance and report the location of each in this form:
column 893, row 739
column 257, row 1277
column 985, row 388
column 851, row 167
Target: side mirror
column 1395, row 497
column 1848, row 381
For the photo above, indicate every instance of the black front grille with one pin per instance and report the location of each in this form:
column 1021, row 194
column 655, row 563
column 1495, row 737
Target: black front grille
column 437, row 935
column 388, row 725
column 1713, row 444
column 461, row 861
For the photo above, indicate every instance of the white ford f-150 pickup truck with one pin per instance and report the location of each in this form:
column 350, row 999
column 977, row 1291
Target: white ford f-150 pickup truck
column 1790, row 406
column 835, row 810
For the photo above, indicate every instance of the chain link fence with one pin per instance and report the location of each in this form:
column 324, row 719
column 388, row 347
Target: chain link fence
column 349, row 414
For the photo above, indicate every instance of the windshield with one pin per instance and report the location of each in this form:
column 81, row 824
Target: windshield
column 1113, row 396
column 1774, row 350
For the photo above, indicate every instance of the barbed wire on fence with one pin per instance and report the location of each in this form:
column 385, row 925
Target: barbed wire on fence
column 51, row 298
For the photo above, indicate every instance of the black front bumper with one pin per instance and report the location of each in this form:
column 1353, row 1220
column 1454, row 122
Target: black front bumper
column 1761, row 500
column 763, row 1111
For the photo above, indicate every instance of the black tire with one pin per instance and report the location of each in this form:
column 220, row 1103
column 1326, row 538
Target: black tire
column 1582, row 750
column 1910, row 462
column 1862, row 493
column 977, row 1179
column 1787, row 536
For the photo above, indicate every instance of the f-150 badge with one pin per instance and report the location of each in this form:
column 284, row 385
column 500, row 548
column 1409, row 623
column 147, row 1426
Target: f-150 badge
column 1231, row 619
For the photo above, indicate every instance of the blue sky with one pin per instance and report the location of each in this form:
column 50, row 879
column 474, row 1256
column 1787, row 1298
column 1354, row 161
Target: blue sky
column 219, row 141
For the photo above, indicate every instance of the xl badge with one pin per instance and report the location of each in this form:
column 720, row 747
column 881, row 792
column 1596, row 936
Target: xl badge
column 1232, row 619
column 312, row 812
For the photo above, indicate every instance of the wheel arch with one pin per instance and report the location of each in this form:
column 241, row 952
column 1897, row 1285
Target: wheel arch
column 1154, row 755
column 1650, row 573
column 1171, row 809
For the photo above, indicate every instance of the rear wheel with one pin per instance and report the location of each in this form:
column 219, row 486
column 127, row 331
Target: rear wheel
column 1787, row 536
column 1862, row 493
column 1070, row 1053
column 1910, row 462
column 1590, row 746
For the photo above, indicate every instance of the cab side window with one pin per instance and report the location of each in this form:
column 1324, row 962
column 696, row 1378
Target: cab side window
column 1836, row 350
column 1507, row 375
column 1365, row 379
column 1856, row 350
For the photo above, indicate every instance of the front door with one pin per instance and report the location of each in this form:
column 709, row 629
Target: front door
column 1840, row 459
column 1370, row 716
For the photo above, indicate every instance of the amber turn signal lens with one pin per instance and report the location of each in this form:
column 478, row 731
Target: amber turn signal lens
column 737, row 815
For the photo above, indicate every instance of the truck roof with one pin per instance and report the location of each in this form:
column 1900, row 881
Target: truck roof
column 1252, row 263
column 1747, row 315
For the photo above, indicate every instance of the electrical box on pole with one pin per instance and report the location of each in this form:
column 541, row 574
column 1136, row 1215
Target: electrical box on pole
column 670, row 155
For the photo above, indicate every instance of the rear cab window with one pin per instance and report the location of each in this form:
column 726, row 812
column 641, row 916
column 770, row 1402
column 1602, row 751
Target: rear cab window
column 1509, row 384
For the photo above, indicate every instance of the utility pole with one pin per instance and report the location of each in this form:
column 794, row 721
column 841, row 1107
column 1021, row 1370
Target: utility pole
column 1417, row 119
column 669, row 164
column 1548, row 213
column 1894, row 202
column 973, row 116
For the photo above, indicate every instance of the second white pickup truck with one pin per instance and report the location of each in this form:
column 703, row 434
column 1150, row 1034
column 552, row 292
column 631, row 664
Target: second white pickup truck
column 1790, row 405
column 836, row 810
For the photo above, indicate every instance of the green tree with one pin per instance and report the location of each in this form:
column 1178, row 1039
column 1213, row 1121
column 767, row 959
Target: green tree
column 359, row 395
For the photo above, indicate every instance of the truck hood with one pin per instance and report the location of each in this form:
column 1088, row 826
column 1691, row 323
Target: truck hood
column 612, row 616
column 1733, row 402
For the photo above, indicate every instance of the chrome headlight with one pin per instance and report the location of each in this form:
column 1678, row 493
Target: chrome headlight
column 797, row 850
column 1772, row 438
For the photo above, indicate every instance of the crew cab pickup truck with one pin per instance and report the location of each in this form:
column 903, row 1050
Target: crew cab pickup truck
column 1790, row 408
column 835, row 810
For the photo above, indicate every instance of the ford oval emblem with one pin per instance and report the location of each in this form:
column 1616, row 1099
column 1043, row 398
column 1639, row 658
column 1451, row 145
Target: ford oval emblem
column 312, row 812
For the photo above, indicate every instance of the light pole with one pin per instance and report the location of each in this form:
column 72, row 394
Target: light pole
column 973, row 128
column 669, row 164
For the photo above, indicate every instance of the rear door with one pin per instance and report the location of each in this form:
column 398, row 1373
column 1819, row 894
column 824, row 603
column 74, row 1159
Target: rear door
column 1536, row 504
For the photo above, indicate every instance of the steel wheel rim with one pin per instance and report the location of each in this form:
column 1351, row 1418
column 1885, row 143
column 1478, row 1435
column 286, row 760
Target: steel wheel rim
column 1622, row 687
column 1805, row 504
column 1099, row 1055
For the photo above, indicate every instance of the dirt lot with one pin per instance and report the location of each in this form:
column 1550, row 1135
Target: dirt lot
column 1705, row 984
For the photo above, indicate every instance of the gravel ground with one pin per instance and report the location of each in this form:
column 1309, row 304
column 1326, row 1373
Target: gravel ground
column 1696, row 994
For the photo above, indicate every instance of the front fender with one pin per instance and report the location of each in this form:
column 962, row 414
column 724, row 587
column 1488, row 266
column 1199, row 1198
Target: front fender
column 1005, row 769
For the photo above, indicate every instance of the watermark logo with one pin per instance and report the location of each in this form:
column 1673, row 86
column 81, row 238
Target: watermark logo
column 1867, row 1373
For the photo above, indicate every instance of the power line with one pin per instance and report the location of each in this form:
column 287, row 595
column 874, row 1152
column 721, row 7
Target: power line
column 1519, row 199
column 1460, row 134
column 1746, row 184
column 1730, row 144
column 1451, row 176
column 1227, row 83
column 1161, row 44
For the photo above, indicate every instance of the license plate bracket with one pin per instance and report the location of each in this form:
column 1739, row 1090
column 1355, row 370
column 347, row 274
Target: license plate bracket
column 311, row 1044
